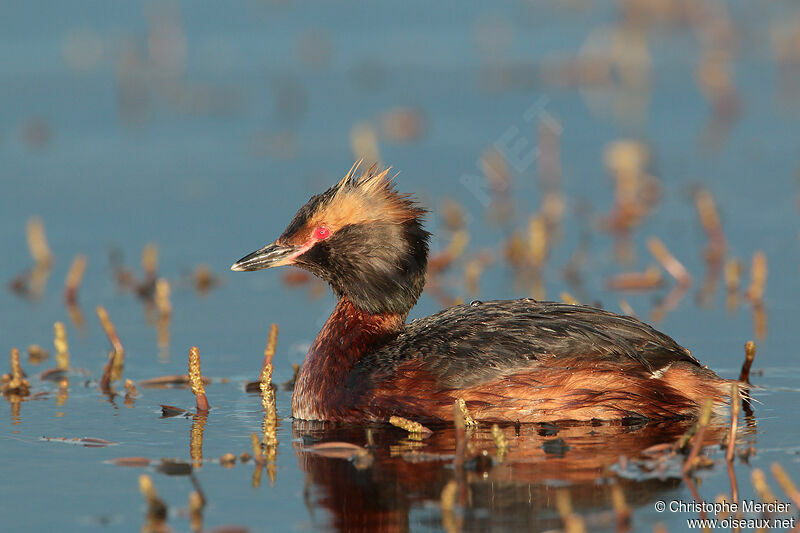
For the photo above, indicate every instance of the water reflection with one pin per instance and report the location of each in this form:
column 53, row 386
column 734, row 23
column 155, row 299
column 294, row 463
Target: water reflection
column 402, row 485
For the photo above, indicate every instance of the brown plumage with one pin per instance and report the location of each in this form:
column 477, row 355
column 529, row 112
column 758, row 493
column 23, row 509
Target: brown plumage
column 509, row 360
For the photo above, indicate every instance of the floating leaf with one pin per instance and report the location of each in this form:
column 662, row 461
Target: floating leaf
column 168, row 411
column 658, row 448
column 255, row 386
column 53, row 374
column 555, row 447
column 174, row 468
column 163, row 382
column 336, row 450
column 131, row 461
column 88, row 442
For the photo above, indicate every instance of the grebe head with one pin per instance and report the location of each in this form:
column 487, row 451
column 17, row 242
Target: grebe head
column 362, row 237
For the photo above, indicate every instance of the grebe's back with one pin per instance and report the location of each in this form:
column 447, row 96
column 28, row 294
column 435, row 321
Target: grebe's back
column 532, row 361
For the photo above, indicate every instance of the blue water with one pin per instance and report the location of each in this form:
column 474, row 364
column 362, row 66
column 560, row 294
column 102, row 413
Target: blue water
column 190, row 163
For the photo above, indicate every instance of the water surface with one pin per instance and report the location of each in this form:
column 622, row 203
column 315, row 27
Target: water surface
column 202, row 128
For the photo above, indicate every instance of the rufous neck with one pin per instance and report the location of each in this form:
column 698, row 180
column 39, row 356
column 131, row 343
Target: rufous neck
column 350, row 331
column 346, row 337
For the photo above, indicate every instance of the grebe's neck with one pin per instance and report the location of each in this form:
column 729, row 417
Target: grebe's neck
column 348, row 334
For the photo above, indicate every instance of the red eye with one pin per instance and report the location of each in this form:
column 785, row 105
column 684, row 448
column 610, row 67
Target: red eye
column 322, row 233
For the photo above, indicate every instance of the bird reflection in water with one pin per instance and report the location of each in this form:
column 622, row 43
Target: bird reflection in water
column 401, row 485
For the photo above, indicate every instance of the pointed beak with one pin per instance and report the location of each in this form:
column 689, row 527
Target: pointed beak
column 272, row 255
